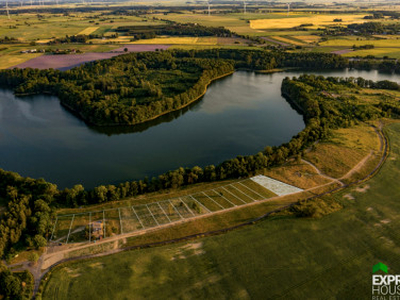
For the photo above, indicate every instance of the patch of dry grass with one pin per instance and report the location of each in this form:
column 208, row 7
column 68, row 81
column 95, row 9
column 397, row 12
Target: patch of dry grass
column 344, row 150
column 88, row 30
column 297, row 174
column 316, row 20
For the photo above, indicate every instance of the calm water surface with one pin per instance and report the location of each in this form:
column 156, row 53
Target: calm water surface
column 239, row 115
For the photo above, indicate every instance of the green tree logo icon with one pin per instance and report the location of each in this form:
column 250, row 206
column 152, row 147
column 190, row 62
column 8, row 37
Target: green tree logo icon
column 380, row 267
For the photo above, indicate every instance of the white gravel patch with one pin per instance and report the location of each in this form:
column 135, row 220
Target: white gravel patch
column 275, row 186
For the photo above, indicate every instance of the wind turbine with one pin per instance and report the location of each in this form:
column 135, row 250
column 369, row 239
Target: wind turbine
column 244, row 5
column 8, row 11
column 288, row 9
column 209, row 8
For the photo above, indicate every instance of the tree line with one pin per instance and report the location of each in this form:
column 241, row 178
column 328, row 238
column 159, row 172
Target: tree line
column 173, row 29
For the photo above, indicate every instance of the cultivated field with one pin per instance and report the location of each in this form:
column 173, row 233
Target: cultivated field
column 288, row 40
column 315, row 19
column 88, row 30
column 283, row 257
column 68, row 61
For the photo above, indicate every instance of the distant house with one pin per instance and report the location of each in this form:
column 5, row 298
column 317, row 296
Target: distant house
column 97, row 229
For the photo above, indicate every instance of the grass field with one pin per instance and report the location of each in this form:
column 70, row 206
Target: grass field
column 282, row 257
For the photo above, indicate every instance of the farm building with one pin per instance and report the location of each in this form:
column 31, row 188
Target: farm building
column 97, row 229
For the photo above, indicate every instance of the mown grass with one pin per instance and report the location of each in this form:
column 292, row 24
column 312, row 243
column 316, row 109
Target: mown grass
column 283, row 257
column 297, row 174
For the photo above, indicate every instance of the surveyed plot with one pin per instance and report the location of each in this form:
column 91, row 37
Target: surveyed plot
column 182, row 208
column 95, row 225
column 113, row 222
column 238, row 193
column 195, row 206
column 129, row 220
column 170, row 210
column 159, row 214
column 79, row 231
column 61, row 228
column 146, row 216
column 208, row 202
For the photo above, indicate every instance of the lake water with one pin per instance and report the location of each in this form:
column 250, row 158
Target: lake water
column 239, row 115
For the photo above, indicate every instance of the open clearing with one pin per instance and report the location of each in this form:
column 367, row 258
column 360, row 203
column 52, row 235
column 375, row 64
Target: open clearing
column 292, row 256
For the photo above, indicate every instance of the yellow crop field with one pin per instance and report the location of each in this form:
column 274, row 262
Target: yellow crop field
column 7, row 61
column 88, row 30
column 180, row 41
column 350, row 42
column 43, row 41
column 316, row 20
column 308, row 38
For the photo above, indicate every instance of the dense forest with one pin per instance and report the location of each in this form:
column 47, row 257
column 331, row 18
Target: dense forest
column 27, row 220
column 15, row 286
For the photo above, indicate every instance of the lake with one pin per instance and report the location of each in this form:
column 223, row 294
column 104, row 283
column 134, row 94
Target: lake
column 239, row 115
